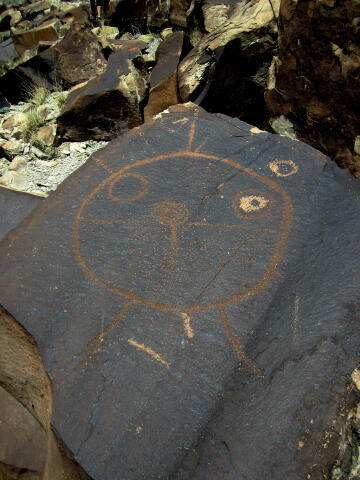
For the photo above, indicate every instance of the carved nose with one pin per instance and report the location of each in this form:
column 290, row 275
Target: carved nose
column 171, row 213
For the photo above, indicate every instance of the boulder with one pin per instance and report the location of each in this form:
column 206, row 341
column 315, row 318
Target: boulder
column 164, row 90
column 227, row 70
column 107, row 105
column 19, row 432
column 194, row 269
column 77, row 58
column 31, row 10
column 315, row 81
column 9, row 18
column 29, row 39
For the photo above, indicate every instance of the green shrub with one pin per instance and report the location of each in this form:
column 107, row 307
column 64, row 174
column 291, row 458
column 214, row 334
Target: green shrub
column 31, row 124
column 36, row 94
column 61, row 99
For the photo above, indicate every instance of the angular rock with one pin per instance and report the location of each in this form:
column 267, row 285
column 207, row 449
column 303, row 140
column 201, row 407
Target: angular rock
column 7, row 50
column 119, row 44
column 30, row 11
column 46, row 134
column 30, row 39
column 19, row 433
column 107, row 105
column 77, row 58
column 11, row 148
column 316, row 77
column 164, row 90
column 227, row 70
column 193, row 250
column 13, row 121
column 15, row 180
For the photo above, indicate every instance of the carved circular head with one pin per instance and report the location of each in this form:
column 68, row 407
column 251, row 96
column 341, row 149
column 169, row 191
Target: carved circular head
column 183, row 232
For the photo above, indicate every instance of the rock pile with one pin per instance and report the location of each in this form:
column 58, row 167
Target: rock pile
column 314, row 87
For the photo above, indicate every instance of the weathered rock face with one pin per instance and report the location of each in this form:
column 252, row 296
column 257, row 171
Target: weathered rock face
column 315, row 82
column 107, row 105
column 77, row 58
column 191, row 250
column 227, row 70
column 28, row 447
column 164, row 90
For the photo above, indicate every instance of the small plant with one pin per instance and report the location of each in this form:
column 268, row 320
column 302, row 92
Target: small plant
column 36, row 94
column 31, row 125
column 39, row 95
column 61, row 99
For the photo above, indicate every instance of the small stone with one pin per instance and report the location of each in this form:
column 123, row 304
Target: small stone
column 16, row 17
column 126, row 36
column 109, row 32
column 36, row 151
column 355, row 376
column 4, row 165
column 43, row 111
column 44, row 163
column 15, row 180
column 64, row 149
column 148, row 38
column 357, row 145
column 75, row 147
column 150, row 56
column 47, row 134
column 13, row 121
column 11, row 148
column 17, row 162
column 166, row 32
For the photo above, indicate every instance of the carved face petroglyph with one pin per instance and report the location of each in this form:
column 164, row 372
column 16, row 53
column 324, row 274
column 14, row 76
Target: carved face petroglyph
column 183, row 232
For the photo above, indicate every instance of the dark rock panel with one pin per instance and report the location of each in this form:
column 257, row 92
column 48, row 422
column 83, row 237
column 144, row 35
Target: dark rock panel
column 195, row 269
column 107, row 105
column 164, row 90
column 14, row 207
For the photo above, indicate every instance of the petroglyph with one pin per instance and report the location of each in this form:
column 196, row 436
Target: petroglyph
column 181, row 254
column 283, row 168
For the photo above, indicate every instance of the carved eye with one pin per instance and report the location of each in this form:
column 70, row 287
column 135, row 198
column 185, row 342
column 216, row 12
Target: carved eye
column 128, row 187
column 252, row 204
column 283, row 168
